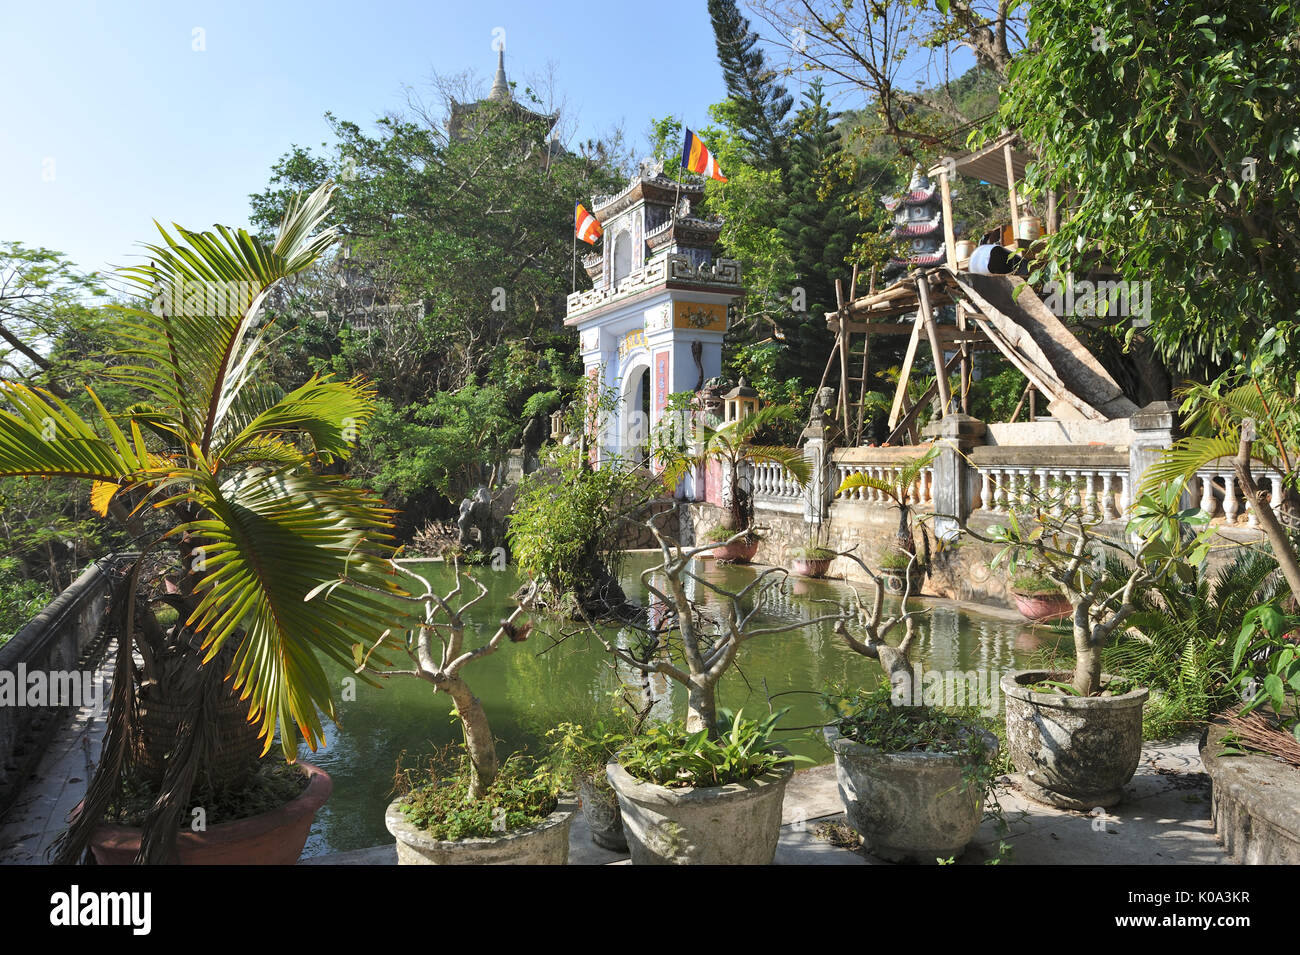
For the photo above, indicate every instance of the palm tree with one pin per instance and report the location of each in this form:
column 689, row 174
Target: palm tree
column 730, row 445
column 1248, row 420
column 258, row 543
column 898, row 489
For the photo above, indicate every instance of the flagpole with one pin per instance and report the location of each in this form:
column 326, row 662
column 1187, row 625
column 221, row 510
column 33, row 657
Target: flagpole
column 573, row 258
column 681, row 166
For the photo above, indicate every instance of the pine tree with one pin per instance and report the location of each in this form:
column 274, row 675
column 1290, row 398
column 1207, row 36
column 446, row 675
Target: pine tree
column 819, row 229
column 760, row 104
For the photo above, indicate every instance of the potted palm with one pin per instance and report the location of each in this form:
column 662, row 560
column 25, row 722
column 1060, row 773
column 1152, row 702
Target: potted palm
column 912, row 775
column 902, row 570
column 731, row 446
column 706, row 791
column 472, row 810
column 213, row 472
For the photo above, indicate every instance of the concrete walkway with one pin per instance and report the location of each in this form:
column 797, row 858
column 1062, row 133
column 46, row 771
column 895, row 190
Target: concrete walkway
column 1164, row 819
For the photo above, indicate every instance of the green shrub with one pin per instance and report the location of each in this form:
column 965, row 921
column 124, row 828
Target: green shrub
column 437, row 798
column 1034, row 584
column 668, row 755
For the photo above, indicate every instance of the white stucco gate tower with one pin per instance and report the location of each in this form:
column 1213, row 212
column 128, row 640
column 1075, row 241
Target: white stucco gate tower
column 653, row 322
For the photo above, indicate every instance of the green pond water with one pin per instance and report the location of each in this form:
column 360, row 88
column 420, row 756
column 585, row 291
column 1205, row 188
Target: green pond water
column 528, row 687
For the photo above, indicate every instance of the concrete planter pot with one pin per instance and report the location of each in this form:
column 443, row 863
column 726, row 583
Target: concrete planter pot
column 1042, row 607
column 1070, row 751
column 737, row 552
column 736, row 824
column 271, row 838
column 811, row 566
column 546, row 843
column 600, row 809
column 895, row 580
column 907, row 807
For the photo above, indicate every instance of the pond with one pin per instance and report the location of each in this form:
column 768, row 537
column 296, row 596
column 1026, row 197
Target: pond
column 528, row 687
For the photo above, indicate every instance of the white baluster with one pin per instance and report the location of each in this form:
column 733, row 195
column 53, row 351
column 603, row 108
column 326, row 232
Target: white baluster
column 986, row 498
column 1207, row 495
column 1125, row 494
column 1060, row 497
column 1091, row 506
column 1107, row 496
column 1230, row 508
column 1043, row 490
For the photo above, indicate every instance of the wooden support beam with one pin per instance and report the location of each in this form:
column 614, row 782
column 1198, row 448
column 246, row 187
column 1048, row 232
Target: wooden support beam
column 908, row 424
column 936, row 347
column 843, row 342
column 964, row 377
column 1011, row 192
column 905, row 372
column 949, row 237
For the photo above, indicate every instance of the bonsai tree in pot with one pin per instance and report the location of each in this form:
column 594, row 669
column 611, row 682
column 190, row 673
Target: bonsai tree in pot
column 913, row 777
column 815, row 559
column 213, row 471
column 479, row 811
column 727, row 769
column 1076, row 736
column 732, row 446
column 902, row 561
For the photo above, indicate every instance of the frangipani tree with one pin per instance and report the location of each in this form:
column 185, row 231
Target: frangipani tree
column 218, row 468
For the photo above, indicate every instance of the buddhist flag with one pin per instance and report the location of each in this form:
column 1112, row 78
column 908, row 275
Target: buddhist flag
column 697, row 158
column 585, row 226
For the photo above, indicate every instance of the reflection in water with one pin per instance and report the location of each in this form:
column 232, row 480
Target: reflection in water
column 530, row 687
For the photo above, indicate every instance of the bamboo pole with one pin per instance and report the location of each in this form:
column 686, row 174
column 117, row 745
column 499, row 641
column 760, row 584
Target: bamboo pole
column 936, row 347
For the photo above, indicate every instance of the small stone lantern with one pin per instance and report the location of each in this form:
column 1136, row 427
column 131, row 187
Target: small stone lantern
column 557, row 424
column 741, row 402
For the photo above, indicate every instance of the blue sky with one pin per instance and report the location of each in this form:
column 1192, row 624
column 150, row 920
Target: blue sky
column 114, row 119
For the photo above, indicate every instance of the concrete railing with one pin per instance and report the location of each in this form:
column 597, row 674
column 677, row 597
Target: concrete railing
column 55, row 653
column 886, row 465
column 775, row 488
column 1093, row 479
column 1218, row 495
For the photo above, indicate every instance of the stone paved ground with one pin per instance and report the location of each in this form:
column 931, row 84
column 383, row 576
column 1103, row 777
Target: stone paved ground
column 1164, row 819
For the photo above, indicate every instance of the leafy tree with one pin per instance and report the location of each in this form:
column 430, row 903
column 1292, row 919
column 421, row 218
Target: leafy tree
column 819, row 230
column 1174, row 130
column 758, row 102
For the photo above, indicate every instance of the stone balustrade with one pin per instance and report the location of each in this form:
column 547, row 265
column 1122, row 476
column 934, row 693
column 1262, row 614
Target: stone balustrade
column 886, row 465
column 775, row 488
column 1218, row 494
column 1094, row 479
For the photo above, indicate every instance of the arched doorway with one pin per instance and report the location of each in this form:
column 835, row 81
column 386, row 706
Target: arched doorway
column 634, row 412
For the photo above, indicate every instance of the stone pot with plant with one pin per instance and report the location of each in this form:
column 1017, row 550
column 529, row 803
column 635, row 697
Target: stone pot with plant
column 580, row 752
column 727, row 778
column 913, row 776
column 1038, row 598
column 1075, row 737
column 468, row 809
column 701, row 798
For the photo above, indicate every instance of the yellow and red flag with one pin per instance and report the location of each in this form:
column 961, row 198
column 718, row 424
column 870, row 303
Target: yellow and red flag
column 585, row 226
column 697, row 158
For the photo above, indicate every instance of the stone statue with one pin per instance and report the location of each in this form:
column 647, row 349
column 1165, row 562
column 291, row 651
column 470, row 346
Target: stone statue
column 475, row 512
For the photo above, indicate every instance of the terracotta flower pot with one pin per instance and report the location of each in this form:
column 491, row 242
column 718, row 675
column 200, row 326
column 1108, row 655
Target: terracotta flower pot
column 1043, row 606
column 811, row 566
column 271, row 838
column 739, row 552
